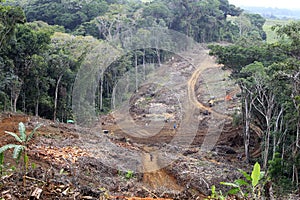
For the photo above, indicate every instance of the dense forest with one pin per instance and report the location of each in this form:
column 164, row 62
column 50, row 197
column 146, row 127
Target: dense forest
column 43, row 44
column 269, row 78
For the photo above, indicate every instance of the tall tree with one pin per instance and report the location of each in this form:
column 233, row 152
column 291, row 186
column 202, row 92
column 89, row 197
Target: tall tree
column 19, row 52
column 264, row 100
column 10, row 16
column 67, row 52
column 269, row 77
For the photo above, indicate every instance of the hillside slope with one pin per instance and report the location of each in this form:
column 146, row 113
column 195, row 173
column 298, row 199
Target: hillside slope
column 179, row 163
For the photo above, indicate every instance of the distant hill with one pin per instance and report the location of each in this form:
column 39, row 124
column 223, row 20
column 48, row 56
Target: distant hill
column 274, row 13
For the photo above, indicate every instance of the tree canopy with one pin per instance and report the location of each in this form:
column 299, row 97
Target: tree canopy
column 268, row 75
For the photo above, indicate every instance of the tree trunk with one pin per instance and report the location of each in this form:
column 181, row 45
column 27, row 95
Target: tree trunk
column 113, row 101
column 15, row 100
column 248, row 101
column 24, row 102
column 282, row 154
column 276, row 129
column 37, row 108
column 267, row 144
column 158, row 57
column 295, row 169
column 37, row 99
column 136, row 72
column 268, row 107
column 144, row 64
column 247, row 129
column 298, row 132
column 295, row 175
column 16, row 95
column 11, row 102
column 56, row 96
column 101, row 93
column 15, row 92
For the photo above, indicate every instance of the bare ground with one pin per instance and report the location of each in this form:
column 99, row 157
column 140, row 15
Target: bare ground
column 70, row 162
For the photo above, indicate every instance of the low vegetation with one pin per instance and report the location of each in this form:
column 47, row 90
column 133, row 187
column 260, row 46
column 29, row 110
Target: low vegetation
column 20, row 148
column 251, row 186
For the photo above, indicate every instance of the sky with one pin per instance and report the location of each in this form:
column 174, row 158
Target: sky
column 290, row 4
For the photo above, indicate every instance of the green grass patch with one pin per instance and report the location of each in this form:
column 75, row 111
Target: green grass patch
column 271, row 35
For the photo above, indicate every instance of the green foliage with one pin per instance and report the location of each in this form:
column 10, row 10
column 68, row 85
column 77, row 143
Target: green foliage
column 129, row 174
column 278, row 173
column 12, row 146
column 216, row 195
column 235, row 57
column 69, row 14
column 272, row 37
column 249, row 27
column 1, row 163
column 275, row 166
column 250, row 186
column 204, row 21
column 13, row 168
column 20, row 149
column 255, row 175
column 268, row 75
column 35, row 55
column 10, row 16
column 33, row 165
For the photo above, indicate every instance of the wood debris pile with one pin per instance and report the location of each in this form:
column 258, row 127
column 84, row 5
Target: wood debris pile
column 127, row 146
column 59, row 155
column 36, row 189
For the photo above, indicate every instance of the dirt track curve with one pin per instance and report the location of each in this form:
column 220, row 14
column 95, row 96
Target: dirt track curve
column 157, row 177
column 207, row 62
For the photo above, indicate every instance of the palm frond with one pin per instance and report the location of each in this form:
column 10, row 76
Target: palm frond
column 1, row 162
column 32, row 132
column 8, row 146
column 1, row 159
column 15, row 136
column 18, row 151
column 22, row 130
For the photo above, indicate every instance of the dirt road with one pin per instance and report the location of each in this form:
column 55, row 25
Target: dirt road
column 155, row 176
